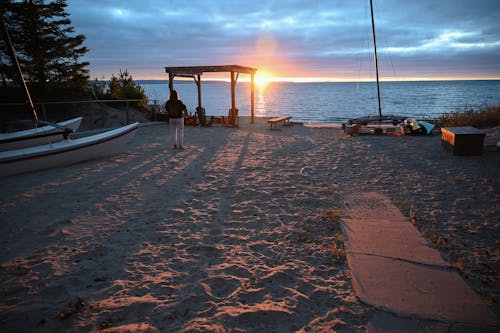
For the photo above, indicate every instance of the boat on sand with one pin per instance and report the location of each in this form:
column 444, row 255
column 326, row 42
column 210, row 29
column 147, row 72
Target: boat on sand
column 39, row 135
column 393, row 125
column 66, row 152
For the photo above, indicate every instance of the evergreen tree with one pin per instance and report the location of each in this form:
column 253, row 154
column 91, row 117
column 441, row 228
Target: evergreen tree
column 46, row 45
column 124, row 87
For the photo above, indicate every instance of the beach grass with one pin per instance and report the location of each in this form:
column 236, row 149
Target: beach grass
column 333, row 219
column 488, row 116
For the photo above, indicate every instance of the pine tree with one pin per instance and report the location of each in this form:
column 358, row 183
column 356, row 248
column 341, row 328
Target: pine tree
column 46, row 44
column 124, row 87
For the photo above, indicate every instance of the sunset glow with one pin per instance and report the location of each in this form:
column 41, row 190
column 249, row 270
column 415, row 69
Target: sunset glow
column 262, row 79
column 330, row 41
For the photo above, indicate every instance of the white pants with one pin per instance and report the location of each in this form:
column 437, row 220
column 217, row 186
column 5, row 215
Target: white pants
column 177, row 129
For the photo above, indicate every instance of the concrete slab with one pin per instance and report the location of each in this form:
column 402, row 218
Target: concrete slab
column 416, row 291
column 373, row 205
column 392, row 239
column 394, row 269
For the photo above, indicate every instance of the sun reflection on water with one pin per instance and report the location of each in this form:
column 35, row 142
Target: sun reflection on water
column 260, row 101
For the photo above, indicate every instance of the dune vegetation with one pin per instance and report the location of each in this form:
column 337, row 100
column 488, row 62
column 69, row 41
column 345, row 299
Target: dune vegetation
column 488, row 116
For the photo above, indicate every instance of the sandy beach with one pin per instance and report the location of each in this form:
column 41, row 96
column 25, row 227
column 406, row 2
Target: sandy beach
column 231, row 234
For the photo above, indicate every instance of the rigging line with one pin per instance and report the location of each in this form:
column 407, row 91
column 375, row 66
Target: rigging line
column 364, row 62
column 358, row 65
column 385, row 54
column 365, row 53
column 366, row 67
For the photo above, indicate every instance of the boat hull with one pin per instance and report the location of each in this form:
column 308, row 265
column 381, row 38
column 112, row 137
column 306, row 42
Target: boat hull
column 388, row 129
column 428, row 127
column 37, row 136
column 65, row 152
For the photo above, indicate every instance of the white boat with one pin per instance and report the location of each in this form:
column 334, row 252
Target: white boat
column 392, row 125
column 324, row 125
column 65, row 152
column 388, row 129
column 38, row 136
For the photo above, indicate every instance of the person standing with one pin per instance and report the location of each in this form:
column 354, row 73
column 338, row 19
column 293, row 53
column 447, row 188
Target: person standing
column 175, row 109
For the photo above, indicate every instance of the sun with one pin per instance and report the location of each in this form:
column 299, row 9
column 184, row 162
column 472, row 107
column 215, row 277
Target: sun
column 261, row 80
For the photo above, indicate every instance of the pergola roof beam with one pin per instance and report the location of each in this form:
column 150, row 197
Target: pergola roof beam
column 195, row 72
column 198, row 70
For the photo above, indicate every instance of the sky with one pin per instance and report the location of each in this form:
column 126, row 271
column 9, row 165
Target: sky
column 298, row 40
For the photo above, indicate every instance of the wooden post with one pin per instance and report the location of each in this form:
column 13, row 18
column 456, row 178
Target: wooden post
column 171, row 77
column 128, row 116
column 233, row 99
column 198, row 84
column 154, row 109
column 252, row 95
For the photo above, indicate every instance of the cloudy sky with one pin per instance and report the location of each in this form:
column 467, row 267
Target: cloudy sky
column 299, row 39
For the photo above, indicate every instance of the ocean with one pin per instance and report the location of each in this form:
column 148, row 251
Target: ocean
column 334, row 102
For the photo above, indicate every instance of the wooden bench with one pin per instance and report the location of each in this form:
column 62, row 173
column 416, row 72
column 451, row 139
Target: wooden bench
column 273, row 123
column 465, row 140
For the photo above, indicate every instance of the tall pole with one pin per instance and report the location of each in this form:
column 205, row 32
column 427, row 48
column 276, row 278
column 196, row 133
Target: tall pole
column 13, row 57
column 171, row 77
column 233, row 100
column 376, row 60
column 252, row 97
column 198, row 85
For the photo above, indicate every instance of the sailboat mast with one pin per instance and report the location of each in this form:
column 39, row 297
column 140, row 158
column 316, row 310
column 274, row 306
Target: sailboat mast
column 376, row 60
column 12, row 53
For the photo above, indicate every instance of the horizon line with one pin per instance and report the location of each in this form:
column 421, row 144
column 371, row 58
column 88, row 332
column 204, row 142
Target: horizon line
column 332, row 80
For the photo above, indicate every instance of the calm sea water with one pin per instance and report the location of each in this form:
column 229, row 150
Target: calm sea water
column 335, row 102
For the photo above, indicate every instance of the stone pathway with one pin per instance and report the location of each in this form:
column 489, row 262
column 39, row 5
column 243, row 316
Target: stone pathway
column 395, row 270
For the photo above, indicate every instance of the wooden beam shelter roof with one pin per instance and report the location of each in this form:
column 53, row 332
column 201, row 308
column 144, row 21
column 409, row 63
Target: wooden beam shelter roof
column 198, row 70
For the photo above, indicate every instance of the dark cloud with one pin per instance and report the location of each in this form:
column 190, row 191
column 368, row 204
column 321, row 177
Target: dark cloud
column 291, row 38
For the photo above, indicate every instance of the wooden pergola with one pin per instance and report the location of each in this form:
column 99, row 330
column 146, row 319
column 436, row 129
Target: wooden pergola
column 195, row 72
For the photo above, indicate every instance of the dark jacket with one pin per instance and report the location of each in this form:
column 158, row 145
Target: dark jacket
column 175, row 108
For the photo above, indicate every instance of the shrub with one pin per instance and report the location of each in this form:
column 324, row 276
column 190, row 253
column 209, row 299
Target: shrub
column 485, row 117
column 124, row 87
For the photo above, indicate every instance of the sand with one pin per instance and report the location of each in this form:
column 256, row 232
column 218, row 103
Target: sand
column 231, row 234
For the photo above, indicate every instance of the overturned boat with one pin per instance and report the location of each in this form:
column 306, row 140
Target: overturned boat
column 66, row 152
column 39, row 135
